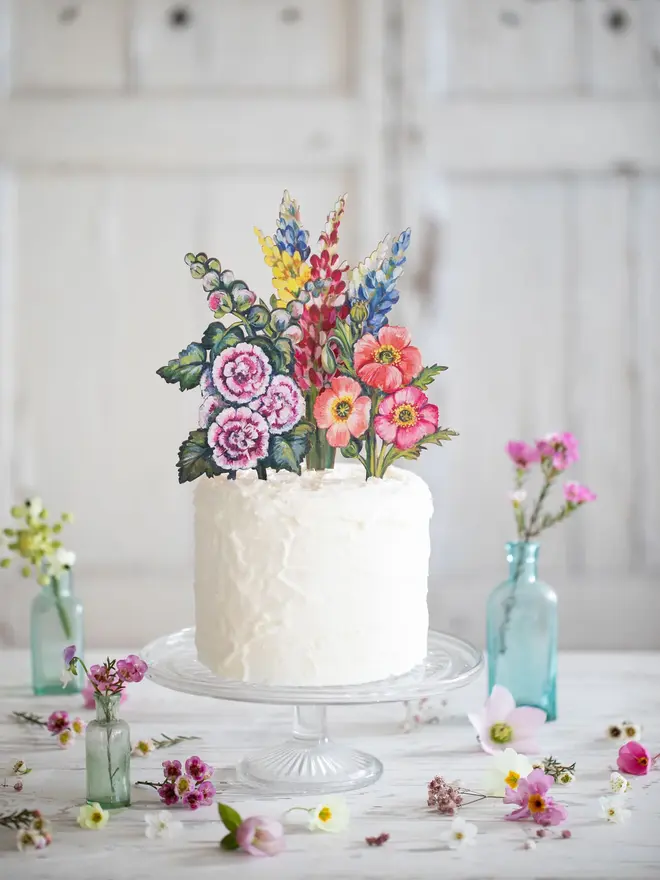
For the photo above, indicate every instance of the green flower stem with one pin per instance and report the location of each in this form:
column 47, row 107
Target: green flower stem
column 154, row 785
column 371, row 437
column 29, row 718
column 61, row 610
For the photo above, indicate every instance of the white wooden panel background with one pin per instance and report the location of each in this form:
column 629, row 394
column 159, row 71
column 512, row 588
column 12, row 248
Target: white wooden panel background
column 519, row 139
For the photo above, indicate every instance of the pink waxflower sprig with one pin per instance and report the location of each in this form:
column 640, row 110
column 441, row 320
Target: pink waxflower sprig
column 109, row 678
column 553, row 454
column 188, row 784
column 59, row 724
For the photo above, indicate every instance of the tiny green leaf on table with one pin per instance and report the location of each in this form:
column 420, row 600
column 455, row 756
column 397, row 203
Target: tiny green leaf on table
column 427, row 376
column 229, row 842
column 187, row 368
column 229, row 818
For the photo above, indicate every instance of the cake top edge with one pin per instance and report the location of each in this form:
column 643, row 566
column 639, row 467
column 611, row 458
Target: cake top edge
column 313, row 371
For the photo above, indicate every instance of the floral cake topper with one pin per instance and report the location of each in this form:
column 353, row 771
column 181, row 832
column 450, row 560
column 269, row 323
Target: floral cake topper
column 316, row 369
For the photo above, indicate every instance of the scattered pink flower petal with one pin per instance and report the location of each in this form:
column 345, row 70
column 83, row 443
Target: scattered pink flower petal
column 260, row 836
column 634, row 759
column 501, row 725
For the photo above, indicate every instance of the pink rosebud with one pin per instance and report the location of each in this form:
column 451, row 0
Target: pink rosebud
column 214, row 301
column 566, row 834
column 634, row 759
column 575, row 493
column 522, row 454
column 260, row 836
column 18, row 785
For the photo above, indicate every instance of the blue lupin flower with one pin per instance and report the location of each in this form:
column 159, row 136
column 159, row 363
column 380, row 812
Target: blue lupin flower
column 378, row 288
column 289, row 235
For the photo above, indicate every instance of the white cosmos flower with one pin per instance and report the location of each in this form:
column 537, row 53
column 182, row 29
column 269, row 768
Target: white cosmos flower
column 619, row 784
column 460, row 834
column 631, row 730
column 506, row 768
column 613, row 809
column 161, row 824
column 332, row 814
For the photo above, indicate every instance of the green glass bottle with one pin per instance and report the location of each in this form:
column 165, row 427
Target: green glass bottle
column 108, row 755
column 56, row 621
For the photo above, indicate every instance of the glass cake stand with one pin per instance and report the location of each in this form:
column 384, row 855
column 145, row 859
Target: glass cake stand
column 310, row 762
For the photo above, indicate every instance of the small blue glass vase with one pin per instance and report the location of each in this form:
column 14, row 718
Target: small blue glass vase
column 521, row 624
column 56, row 621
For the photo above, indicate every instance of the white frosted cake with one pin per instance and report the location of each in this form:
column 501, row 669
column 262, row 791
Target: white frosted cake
column 314, row 580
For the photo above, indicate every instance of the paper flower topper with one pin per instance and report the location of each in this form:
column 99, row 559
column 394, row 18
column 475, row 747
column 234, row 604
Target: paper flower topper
column 317, row 369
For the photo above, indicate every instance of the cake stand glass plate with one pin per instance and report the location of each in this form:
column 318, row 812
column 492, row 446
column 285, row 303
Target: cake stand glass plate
column 310, row 762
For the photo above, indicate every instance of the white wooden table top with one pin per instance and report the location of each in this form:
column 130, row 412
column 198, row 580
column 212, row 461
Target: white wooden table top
column 594, row 690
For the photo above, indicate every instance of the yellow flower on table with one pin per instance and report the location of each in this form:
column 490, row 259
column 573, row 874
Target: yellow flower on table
column 332, row 814
column 93, row 816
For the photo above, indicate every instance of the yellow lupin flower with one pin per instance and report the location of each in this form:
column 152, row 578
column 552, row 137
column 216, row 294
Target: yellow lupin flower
column 290, row 273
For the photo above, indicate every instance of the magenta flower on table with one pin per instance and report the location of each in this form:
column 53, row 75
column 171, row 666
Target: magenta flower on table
column 210, row 406
column 531, row 796
column 522, row 454
column 207, row 790
column 197, row 769
column 167, row 794
column 184, row 784
column 58, row 721
column 172, row 769
column 635, row 759
column 238, row 438
column 282, row 405
column 501, row 724
column 576, row 493
column 562, row 448
column 260, row 836
column 241, row 373
column 132, row 669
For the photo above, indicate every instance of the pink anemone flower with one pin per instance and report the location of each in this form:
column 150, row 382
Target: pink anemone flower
column 406, row 417
column 389, row 361
column 342, row 411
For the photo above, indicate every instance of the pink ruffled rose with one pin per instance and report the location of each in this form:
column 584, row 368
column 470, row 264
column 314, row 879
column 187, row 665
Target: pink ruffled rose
column 241, row 373
column 575, row 493
column 533, row 801
column 500, row 725
column 282, row 404
column 634, row 759
column 210, row 407
column 561, row 447
column 260, row 836
column 406, row 417
column 238, row 438
column 522, row 454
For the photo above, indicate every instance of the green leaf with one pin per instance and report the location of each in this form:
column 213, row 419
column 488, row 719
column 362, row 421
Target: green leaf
column 229, row 818
column 258, row 317
column 217, row 337
column 427, row 376
column 285, row 351
column 287, row 451
column 302, row 429
column 187, row 368
column 267, row 347
column 228, row 842
column 196, row 458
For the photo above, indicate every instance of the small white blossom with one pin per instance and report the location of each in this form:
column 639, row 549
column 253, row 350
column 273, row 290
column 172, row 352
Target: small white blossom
column 142, row 748
column 529, row 844
column 332, row 814
column 506, row 768
column 29, row 838
column 460, row 834
column 631, row 730
column 518, row 496
column 566, row 777
column 66, row 676
column 161, row 824
column 619, row 784
column 613, row 809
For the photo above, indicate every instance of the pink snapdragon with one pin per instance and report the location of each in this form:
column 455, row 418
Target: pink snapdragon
column 533, row 801
column 260, row 836
column 576, row 493
column 522, row 454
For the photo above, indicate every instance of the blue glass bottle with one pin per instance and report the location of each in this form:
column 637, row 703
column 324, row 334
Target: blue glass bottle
column 521, row 622
column 56, row 621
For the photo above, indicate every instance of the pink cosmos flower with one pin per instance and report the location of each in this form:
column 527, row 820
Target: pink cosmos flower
column 634, row 759
column 238, row 438
column 575, row 493
column 260, row 836
column 342, row 411
column 242, row 372
column 501, row 725
column 58, row 721
column 168, row 794
column 533, row 801
column 210, row 406
column 561, row 447
column 389, row 361
column 406, row 417
column 87, row 694
column 522, row 454
column 172, row 769
column 132, row 669
column 282, row 405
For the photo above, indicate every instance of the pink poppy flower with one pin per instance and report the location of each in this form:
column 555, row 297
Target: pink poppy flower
column 522, row 454
column 561, row 447
column 238, row 438
column 533, row 802
column 282, row 405
column 389, row 361
column 241, row 373
column 406, row 417
column 500, row 724
column 634, row 759
column 342, row 411
column 260, row 836
column 575, row 493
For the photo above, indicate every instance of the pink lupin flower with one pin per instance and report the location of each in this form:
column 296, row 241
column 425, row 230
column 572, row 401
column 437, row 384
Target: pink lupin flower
column 576, row 493
column 260, row 836
column 500, row 724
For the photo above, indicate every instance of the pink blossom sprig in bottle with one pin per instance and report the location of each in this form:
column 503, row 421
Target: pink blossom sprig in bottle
column 522, row 611
column 108, row 738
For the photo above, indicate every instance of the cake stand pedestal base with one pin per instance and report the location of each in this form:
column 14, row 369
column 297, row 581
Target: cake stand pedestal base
column 309, row 762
